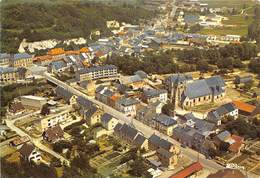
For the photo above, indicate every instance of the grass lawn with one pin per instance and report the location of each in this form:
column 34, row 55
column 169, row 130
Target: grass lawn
column 238, row 20
column 225, row 31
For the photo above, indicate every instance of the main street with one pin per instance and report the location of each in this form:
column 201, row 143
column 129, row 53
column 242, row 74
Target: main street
column 146, row 130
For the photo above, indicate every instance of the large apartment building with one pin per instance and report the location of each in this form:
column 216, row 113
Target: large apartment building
column 21, row 60
column 99, row 72
column 8, row 74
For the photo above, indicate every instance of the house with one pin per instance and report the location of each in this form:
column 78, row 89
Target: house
column 164, row 124
column 16, row 108
column 126, row 133
column 99, row 72
column 54, row 119
column 66, row 95
column 190, row 137
column 108, row 121
column 4, row 59
column 168, row 159
column 141, row 142
column 235, row 142
column 103, row 94
column 155, row 142
column 166, row 151
column 19, row 141
column 202, row 126
column 127, row 105
column 237, row 145
column 92, row 115
column 189, row 171
column 147, row 113
column 8, row 74
column 21, row 60
column 154, row 95
column 227, row 110
column 29, row 152
column 135, row 82
column 224, row 136
column 57, row 67
column 244, row 109
column 99, row 131
column 227, row 173
column 84, row 103
column 243, row 79
column 53, row 134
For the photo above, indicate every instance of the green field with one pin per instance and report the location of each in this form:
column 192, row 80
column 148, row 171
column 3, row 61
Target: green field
column 228, row 3
column 225, row 31
column 236, row 24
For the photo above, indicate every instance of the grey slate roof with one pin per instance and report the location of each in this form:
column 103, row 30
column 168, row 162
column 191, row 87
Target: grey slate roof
column 21, row 56
column 128, row 101
column 58, row 64
column 178, row 79
column 223, row 135
column 226, row 108
column 165, row 120
column 5, row 56
column 105, row 118
column 98, row 68
column 4, row 70
column 153, row 93
column 204, row 87
column 139, row 140
column 117, row 128
column 165, row 153
column 127, row 131
column 197, row 89
column 65, row 94
column 91, row 111
column 221, row 111
column 156, row 140
column 203, row 126
column 83, row 102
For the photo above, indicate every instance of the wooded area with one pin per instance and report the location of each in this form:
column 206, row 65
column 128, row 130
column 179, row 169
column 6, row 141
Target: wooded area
column 42, row 21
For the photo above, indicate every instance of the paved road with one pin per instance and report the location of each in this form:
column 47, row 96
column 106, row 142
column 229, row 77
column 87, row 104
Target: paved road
column 146, row 130
column 35, row 141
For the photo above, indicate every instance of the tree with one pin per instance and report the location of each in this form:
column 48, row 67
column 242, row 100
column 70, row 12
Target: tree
column 224, row 146
column 138, row 167
column 45, row 110
column 60, row 145
column 168, row 109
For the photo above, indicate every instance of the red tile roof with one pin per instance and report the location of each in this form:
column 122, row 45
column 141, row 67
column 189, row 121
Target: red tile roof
column 237, row 145
column 195, row 167
column 244, row 106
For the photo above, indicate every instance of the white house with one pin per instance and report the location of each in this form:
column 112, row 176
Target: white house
column 127, row 106
column 30, row 153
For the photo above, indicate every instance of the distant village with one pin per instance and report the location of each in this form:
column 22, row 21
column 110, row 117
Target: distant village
column 182, row 124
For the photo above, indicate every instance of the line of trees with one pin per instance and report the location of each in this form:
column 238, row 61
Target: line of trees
column 254, row 28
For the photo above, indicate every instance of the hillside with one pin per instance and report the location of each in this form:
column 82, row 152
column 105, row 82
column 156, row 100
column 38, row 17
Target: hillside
column 41, row 21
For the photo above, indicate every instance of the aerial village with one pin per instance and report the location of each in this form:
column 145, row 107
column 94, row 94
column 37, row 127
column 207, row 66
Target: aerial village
column 180, row 124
